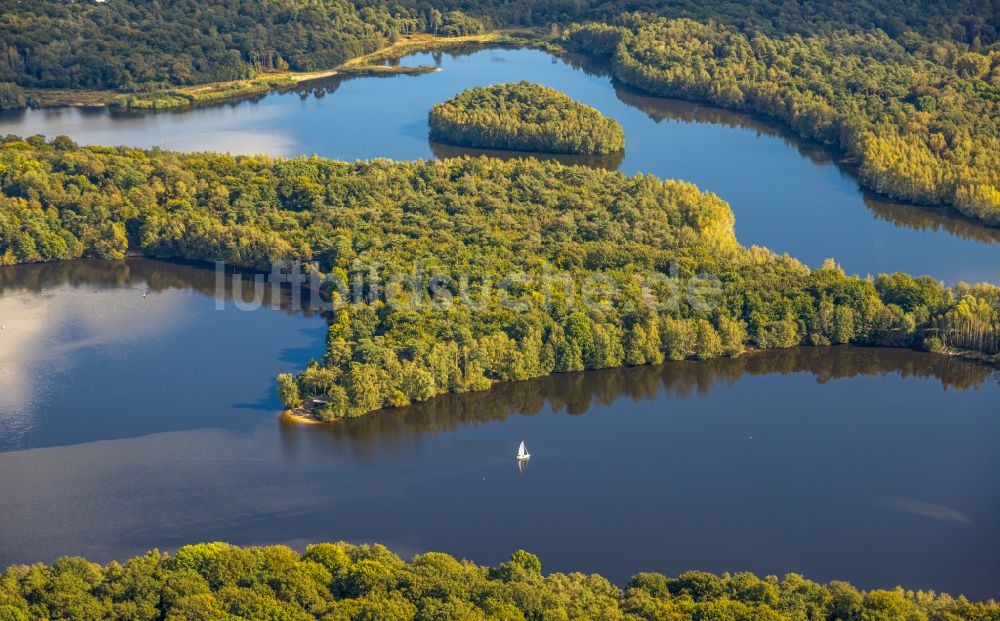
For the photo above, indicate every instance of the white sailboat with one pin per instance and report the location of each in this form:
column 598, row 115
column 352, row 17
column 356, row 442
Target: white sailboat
column 522, row 453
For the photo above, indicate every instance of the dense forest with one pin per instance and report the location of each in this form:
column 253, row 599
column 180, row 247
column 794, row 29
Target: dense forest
column 144, row 45
column 148, row 45
column 489, row 270
column 345, row 582
column 924, row 123
column 524, row 117
column 974, row 22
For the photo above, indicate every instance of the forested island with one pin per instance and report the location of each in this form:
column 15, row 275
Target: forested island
column 341, row 581
column 504, row 270
column 524, row 117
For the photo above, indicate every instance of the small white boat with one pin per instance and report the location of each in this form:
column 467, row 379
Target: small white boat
column 522, row 453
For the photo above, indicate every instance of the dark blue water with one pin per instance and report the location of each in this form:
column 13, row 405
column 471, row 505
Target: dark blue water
column 788, row 195
column 93, row 350
column 131, row 422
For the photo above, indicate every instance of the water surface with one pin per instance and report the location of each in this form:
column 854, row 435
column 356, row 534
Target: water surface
column 789, row 195
column 131, row 422
column 92, row 350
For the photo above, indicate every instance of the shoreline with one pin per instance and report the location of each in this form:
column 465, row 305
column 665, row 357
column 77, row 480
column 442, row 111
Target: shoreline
column 984, row 360
column 362, row 66
column 186, row 96
column 290, row 416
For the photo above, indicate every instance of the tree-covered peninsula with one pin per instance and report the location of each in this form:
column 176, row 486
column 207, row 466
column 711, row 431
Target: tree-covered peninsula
column 144, row 45
column 345, row 582
column 524, row 117
column 449, row 276
column 919, row 117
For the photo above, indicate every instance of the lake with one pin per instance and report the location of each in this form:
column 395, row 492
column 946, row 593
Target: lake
column 137, row 402
column 788, row 195
column 136, row 414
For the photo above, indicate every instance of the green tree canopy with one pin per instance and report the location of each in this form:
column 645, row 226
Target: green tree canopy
column 524, row 117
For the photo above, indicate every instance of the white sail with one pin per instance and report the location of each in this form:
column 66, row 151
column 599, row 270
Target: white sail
column 522, row 452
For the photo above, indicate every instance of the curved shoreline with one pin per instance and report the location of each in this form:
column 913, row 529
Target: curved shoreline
column 305, row 419
column 288, row 416
column 236, row 90
column 365, row 66
column 524, row 116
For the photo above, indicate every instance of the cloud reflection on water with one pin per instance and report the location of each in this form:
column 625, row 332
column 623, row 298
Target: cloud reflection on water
column 923, row 508
column 45, row 336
